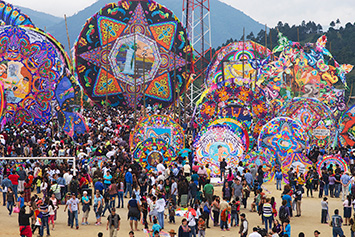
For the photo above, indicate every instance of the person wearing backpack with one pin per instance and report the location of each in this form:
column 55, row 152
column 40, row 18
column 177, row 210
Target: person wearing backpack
column 284, row 212
column 336, row 223
column 74, row 185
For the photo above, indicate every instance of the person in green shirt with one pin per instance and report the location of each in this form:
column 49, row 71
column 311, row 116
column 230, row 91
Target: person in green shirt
column 208, row 191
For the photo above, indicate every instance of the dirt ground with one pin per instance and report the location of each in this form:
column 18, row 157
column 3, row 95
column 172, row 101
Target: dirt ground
column 307, row 223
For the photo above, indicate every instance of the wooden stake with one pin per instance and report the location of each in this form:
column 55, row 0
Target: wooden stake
column 66, row 26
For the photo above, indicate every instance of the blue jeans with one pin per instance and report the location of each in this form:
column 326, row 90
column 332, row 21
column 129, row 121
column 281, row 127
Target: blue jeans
column 326, row 189
column 268, row 220
column 193, row 231
column 337, row 231
column 9, row 206
column 120, row 199
column 14, row 187
column 223, row 224
column 112, row 201
column 72, row 215
column 352, row 233
column 235, row 217
column 44, row 224
column 38, row 190
column 128, row 189
column 161, row 219
column 278, row 184
column 337, row 190
column 107, row 207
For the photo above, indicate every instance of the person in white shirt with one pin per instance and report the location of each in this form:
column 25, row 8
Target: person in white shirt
column 161, row 168
column 255, row 233
column 160, row 209
column 187, row 169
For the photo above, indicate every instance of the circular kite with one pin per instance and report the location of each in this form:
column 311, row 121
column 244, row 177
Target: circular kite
column 347, row 128
column 315, row 117
column 236, row 126
column 153, row 151
column 30, row 68
column 326, row 161
column 10, row 15
column 299, row 162
column 230, row 62
column 158, row 126
column 216, row 143
column 130, row 49
column 281, row 137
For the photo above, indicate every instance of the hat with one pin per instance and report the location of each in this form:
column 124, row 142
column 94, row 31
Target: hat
column 129, row 170
column 172, row 232
column 316, row 231
column 85, row 192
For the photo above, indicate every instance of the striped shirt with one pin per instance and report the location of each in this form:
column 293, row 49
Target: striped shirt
column 267, row 210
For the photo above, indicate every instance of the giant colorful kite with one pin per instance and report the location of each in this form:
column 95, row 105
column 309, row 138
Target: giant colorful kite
column 216, row 143
column 152, row 152
column 347, row 128
column 10, row 15
column 158, row 126
column 130, row 49
column 315, row 117
column 303, row 71
column 232, row 60
column 30, row 69
column 281, row 137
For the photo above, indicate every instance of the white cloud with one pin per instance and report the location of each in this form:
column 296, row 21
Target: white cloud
column 54, row 7
column 270, row 12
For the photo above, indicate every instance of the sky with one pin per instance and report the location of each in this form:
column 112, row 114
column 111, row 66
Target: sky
column 268, row 12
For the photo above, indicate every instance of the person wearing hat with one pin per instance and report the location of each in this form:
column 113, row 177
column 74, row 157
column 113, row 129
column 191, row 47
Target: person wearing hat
column 129, row 181
column 172, row 233
column 316, row 233
column 113, row 223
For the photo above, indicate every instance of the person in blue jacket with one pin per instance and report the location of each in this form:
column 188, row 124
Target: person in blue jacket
column 129, row 181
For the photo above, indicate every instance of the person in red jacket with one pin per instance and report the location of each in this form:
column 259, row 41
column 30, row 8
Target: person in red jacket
column 14, row 181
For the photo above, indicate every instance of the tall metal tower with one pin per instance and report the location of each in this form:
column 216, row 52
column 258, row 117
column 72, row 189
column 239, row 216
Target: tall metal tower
column 197, row 19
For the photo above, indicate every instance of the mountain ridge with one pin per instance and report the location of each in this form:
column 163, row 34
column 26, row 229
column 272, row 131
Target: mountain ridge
column 221, row 13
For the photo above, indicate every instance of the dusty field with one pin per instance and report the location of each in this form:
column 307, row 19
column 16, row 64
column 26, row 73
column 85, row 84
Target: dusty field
column 309, row 221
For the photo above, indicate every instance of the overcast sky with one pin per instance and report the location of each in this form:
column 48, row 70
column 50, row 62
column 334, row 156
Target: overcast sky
column 265, row 11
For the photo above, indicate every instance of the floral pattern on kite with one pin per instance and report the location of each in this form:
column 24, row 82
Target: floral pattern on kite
column 228, row 100
column 281, row 137
column 315, row 117
column 216, row 143
column 131, row 48
column 347, row 128
column 161, row 127
column 153, row 151
column 10, row 15
column 331, row 161
column 30, row 68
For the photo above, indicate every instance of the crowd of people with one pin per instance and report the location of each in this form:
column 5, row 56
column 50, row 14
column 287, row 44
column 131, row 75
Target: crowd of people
column 37, row 188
